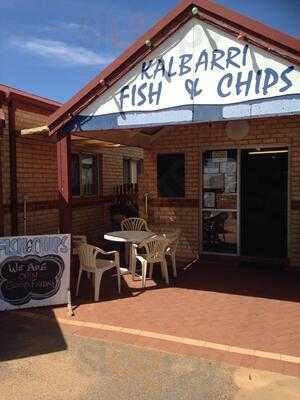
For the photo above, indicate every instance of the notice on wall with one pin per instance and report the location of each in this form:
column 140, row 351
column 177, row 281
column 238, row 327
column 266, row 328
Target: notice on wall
column 34, row 271
column 213, row 181
column 219, row 156
column 209, row 200
column 211, row 167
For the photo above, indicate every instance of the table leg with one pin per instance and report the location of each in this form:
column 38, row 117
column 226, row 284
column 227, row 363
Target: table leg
column 126, row 253
column 129, row 247
column 127, row 258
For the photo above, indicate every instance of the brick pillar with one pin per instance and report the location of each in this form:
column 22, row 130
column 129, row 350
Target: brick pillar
column 13, row 167
column 64, row 182
column 2, row 122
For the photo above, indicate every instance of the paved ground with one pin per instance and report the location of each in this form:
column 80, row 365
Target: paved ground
column 40, row 362
column 255, row 309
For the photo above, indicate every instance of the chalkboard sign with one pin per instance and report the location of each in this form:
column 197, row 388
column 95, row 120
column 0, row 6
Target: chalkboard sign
column 31, row 277
column 34, row 271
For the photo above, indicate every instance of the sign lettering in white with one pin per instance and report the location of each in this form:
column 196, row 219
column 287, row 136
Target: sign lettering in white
column 199, row 65
column 34, row 271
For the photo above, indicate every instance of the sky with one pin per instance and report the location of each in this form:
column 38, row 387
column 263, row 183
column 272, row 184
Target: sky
column 54, row 47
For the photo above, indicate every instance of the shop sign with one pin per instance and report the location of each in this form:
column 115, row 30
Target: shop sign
column 34, row 271
column 202, row 71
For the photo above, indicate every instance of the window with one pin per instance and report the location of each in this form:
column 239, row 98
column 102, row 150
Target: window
column 132, row 168
column 219, row 200
column 171, row 175
column 84, row 175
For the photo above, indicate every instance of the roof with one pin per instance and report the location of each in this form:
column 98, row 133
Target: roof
column 22, row 98
column 242, row 27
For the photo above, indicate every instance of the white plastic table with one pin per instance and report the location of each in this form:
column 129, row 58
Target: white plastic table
column 130, row 238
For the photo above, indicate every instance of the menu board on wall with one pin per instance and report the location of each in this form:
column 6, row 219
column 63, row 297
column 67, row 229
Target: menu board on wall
column 34, row 271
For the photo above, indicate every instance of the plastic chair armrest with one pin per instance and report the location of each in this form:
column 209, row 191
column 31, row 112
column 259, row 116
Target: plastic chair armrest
column 110, row 253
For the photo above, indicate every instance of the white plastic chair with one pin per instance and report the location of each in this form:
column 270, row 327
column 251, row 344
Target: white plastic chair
column 91, row 264
column 155, row 253
column 77, row 240
column 173, row 239
column 134, row 224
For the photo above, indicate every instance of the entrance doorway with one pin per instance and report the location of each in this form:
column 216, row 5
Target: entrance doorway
column 264, row 202
column 245, row 202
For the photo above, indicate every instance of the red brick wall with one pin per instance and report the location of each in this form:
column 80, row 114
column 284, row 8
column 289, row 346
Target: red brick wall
column 95, row 220
column 37, row 181
column 36, row 178
column 192, row 140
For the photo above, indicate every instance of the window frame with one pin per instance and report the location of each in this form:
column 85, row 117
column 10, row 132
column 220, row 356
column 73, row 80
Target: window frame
column 81, row 155
column 139, row 168
column 184, row 175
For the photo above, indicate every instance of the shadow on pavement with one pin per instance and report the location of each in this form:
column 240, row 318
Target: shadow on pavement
column 24, row 337
column 251, row 281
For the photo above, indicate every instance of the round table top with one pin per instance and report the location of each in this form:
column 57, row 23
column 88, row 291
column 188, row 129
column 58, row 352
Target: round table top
column 128, row 236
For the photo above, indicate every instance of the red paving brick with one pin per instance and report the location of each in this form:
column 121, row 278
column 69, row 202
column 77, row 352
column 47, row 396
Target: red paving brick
column 255, row 309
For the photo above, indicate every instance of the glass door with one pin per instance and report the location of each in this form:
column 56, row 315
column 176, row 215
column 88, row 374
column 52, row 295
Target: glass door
column 220, row 201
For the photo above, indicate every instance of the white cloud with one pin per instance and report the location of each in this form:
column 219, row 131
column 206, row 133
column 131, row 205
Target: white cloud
column 61, row 51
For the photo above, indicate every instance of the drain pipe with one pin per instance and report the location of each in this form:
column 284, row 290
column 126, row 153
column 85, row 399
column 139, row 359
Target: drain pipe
column 146, row 205
column 25, row 216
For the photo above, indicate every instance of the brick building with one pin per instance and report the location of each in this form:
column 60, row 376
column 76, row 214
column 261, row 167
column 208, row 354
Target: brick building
column 29, row 172
column 213, row 99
